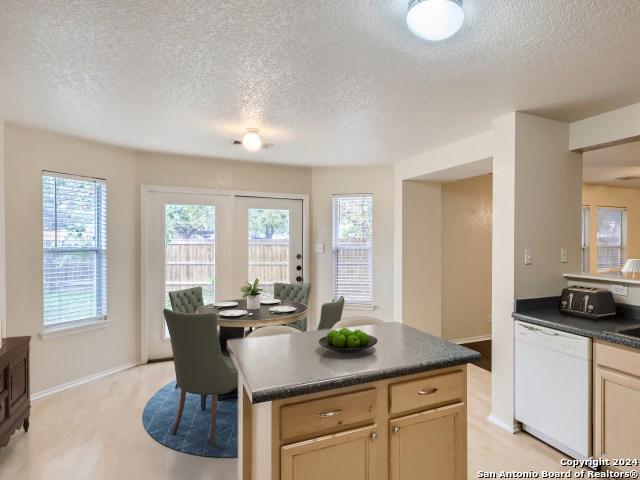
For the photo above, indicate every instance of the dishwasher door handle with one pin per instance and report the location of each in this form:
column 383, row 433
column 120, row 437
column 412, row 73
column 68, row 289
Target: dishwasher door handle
column 534, row 329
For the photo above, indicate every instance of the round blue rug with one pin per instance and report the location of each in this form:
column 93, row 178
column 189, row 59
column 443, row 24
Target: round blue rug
column 193, row 435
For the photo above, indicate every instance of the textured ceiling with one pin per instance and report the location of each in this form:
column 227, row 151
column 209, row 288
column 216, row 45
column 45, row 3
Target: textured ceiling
column 604, row 166
column 329, row 82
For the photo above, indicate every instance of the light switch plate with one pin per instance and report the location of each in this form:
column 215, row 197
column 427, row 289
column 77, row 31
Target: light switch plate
column 564, row 255
column 528, row 256
column 319, row 247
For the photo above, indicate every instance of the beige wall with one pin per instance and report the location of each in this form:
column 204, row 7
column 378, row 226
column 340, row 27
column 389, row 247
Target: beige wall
column 2, row 236
column 466, row 258
column 59, row 360
column 603, row 196
column 422, row 258
column 377, row 180
column 187, row 171
column 28, row 152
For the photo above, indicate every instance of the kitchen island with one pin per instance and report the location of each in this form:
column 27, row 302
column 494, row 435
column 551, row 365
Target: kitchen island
column 397, row 410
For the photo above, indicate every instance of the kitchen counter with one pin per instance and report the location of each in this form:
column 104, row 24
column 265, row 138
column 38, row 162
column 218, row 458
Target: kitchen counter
column 545, row 312
column 285, row 366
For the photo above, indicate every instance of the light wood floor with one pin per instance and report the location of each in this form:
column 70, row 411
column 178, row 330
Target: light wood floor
column 95, row 432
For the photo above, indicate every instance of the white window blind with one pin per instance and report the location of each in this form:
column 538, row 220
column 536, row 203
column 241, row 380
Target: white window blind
column 611, row 238
column 352, row 248
column 74, row 218
column 586, row 228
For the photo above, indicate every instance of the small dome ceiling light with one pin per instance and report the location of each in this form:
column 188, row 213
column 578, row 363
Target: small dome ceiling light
column 251, row 140
column 435, row 20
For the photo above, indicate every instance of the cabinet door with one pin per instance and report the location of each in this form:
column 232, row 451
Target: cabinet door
column 429, row 445
column 350, row 454
column 617, row 416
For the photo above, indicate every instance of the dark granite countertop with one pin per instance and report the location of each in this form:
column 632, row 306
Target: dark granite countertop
column 285, row 366
column 545, row 312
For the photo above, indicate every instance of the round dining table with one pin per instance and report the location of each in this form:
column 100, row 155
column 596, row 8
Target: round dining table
column 261, row 317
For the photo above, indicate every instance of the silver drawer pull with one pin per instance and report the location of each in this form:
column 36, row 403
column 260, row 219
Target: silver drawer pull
column 374, row 435
column 427, row 391
column 329, row 414
column 395, row 430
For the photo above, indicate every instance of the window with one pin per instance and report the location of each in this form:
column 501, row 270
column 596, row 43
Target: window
column 352, row 248
column 74, row 218
column 586, row 225
column 611, row 238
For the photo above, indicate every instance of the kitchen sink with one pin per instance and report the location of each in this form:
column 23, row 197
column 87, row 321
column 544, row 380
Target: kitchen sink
column 631, row 332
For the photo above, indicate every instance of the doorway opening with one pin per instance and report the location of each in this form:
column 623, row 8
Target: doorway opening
column 447, row 252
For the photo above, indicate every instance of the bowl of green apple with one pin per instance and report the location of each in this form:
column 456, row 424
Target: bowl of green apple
column 348, row 341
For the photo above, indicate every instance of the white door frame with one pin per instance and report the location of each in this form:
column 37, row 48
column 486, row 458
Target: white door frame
column 146, row 190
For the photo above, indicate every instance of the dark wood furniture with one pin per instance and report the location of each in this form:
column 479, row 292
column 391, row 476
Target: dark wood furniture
column 14, row 387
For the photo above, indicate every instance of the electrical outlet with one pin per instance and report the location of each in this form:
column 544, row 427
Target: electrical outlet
column 564, row 255
column 489, row 318
column 319, row 247
column 621, row 290
column 528, row 256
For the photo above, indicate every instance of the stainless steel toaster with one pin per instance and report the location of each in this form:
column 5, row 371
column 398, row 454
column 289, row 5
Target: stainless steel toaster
column 587, row 302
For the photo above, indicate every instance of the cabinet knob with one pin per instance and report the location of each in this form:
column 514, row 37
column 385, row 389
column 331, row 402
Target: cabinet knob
column 396, row 429
column 374, row 435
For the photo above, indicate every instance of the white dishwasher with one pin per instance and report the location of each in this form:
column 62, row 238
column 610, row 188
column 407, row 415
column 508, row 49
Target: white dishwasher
column 553, row 387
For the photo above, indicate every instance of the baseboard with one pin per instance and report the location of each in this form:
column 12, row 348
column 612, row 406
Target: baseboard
column 81, row 381
column 513, row 427
column 481, row 338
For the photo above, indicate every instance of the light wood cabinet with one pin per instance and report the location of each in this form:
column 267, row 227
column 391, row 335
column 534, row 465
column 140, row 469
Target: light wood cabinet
column 412, row 427
column 616, row 404
column 351, row 454
column 429, row 445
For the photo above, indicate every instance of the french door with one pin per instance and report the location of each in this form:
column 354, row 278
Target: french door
column 216, row 242
column 269, row 233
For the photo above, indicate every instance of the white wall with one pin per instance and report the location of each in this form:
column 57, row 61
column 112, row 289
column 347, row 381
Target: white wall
column 537, row 198
column 377, row 180
column 503, row 268
column 606, row 129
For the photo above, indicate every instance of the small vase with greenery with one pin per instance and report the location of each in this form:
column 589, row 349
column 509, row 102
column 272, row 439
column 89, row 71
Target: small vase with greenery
column 251, row 292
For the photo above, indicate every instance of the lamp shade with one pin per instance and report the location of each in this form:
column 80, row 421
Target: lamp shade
column 632, row 266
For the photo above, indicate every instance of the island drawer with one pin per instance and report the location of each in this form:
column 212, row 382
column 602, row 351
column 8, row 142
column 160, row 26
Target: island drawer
column 427, row 392
column 329, row 414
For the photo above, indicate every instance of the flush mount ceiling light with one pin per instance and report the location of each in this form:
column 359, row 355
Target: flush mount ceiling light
column 251, row 140
column 435, row 20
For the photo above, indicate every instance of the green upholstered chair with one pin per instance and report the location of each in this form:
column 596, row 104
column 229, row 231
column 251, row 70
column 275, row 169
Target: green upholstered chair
column 186, row 301
column 293, row 292
column 200, row 366
column 331, row 314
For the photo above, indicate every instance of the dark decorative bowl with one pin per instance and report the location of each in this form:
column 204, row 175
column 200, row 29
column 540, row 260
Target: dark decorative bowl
column 325, row 343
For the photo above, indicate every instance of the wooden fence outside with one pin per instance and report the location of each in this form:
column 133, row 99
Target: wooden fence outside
column 190, row 264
